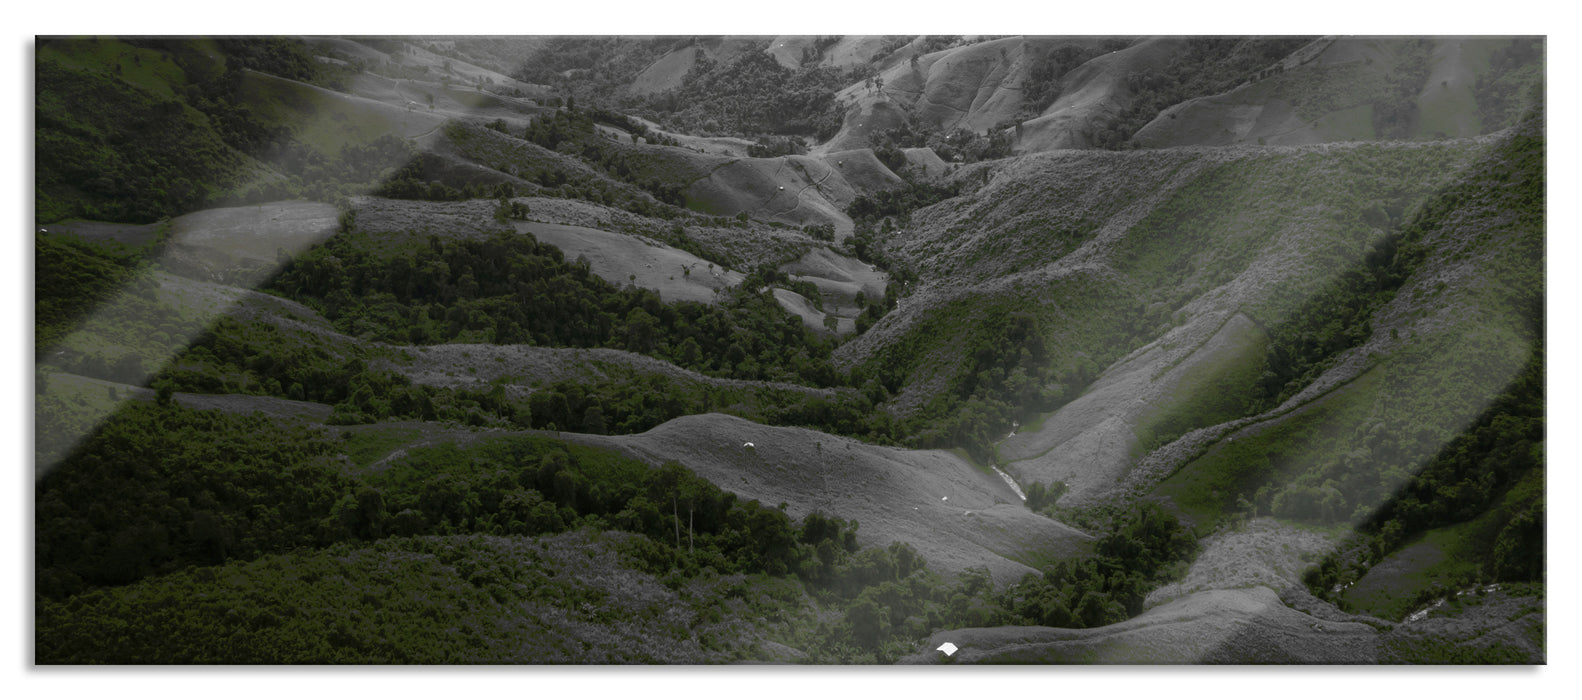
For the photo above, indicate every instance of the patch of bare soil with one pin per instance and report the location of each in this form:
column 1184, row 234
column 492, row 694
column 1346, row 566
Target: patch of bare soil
column 795, row 190
column 926, row 161
column 1262, row 552
column 522, row 367
column 243, row 246
column 856, row 50
column 1447, row 104
column 801, row 307
column 400, row 220
column 733, row 146
column 667, row 72
column 748, row 245
column 622, row 260
column 865, row 117
column 246, row 404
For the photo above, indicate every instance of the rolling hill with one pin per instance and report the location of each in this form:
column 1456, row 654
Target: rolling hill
column 1060, row 349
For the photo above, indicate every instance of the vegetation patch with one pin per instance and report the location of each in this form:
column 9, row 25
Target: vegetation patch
column 1210, row 390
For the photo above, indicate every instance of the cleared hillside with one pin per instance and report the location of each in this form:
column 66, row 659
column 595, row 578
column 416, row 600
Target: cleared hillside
column 957, row 516
column 1093, row 95
column 1058, row 349
column 1350, row 89
column 1252, row 626
column 1177, row 242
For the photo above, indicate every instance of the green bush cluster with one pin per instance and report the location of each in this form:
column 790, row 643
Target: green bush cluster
column 159, row 488
column 572, row 132
column 751, row 93
column 1495, row 466
column 575, row 598
column 120, row 141
column 513, row 289
column 899, row 203
column 71, row 277
column 1148, row 547
column 113, row 151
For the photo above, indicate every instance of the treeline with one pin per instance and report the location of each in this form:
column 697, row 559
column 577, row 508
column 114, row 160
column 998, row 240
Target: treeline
column 176, row 500
column 234, row 357
column 1495, row 466
column 1331, row 321
column 580, row 597
column 625, row 406
column 1337, row 317
column 1042, row 85
column 900, row 202
column 748, row 92
column 71, row 277
column 121, row 141
column 1009, row 374
column 283, row 56
column 112, row 151
column 158, row 488
column 1001, row 364
column 237, row 355
column 956, row 145
column 590, row 67
column 99, row 312
column 635, row 127
column 161, row 487
column 512, row 289
column 1481, row 488
column 420, row 178
column 1145, row 549
column 776, row 146
column 147, row 529
column 572, row 131
column 560, row 174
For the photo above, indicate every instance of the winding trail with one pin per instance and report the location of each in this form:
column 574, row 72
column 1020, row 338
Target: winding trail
column 798, row 204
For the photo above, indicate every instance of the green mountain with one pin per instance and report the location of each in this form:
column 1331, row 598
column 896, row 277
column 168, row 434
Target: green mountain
column 596, row 350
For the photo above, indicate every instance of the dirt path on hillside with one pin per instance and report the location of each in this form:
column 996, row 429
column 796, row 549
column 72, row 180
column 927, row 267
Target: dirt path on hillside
column 811, row 185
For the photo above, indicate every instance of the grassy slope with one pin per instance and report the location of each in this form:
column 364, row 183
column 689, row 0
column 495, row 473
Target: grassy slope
column 1356, row 88
column 894, row 493
column 1176, row 234
column 327, row 121
column 958, row 517
column 1325, row 192
column 166, row 156
column 467, row 599
column 1362, row 440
